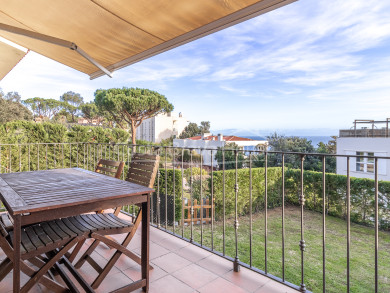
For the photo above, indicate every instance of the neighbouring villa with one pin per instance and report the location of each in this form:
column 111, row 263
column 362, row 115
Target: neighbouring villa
column 364, row 138
column 161, row 127
column 207, row 143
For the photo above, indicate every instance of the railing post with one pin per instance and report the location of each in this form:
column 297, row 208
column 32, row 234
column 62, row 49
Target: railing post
column 348, row 223
column 192, row 201
column 236, row 266
column 302, row 244
column 266, row 212
column 283, row 228
column 376, row 225
column 323, row 224
column 158, row 194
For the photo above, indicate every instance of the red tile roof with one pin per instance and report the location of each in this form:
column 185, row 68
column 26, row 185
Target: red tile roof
column 225, row 138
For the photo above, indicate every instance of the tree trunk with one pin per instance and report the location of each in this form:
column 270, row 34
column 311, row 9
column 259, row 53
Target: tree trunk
column 133, row 132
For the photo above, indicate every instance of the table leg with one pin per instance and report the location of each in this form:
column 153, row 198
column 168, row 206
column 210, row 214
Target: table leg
column 17, row 240
column 145, row 242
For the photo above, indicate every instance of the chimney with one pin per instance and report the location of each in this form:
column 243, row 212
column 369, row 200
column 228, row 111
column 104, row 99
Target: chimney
column 220, row 137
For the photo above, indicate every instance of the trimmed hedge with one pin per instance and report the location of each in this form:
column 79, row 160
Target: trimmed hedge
column 362, row 193
column 362, row 196
column 258, row 190
column 159, row 186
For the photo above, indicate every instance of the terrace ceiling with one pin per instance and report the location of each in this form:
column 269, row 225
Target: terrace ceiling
column 98, row 37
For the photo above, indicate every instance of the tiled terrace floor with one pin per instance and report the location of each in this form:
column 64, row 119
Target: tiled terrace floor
column 178, row 267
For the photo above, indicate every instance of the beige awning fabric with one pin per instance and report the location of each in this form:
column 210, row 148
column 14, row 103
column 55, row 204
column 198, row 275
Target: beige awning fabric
column 9, row 57
column 117, row 33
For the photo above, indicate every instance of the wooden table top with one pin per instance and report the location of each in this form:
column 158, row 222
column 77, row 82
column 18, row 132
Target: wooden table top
column 28, row 192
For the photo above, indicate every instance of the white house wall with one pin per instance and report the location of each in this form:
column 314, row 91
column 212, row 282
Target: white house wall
column 350, row 145
column 200, row 146
column 161, row 127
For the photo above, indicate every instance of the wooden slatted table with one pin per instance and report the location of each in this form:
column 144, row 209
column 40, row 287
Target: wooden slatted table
column 32, row 197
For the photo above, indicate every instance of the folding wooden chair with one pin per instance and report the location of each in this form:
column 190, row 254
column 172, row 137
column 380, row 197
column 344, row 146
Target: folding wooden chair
column 109, row 168
column 143, row 169
column 43, row 238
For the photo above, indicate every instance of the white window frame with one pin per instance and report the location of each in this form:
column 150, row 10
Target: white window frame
column 365, row 162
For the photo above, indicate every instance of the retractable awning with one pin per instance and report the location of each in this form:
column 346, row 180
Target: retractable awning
column 9, row 57
column 98, row 37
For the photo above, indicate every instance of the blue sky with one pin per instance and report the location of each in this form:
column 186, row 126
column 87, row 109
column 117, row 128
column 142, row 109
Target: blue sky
column 310, row 67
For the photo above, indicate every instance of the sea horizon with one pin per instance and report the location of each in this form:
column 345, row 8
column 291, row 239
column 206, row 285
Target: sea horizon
column 315, row 139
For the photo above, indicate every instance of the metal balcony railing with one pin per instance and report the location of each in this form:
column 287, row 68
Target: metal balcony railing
column 243, row 188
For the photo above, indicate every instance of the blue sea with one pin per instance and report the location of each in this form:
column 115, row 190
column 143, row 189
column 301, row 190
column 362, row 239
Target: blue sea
column 315, row 140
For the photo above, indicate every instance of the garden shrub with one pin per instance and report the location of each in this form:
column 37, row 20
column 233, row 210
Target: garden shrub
column 362, row 193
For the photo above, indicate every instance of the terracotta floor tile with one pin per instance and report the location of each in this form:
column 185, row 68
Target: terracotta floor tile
column 221, row 285
column 172, row 243
column 195, row 276
column 246, row 279
column 158, row 235
column 155, row 251
column 171, row 262
column 169, row 284
column 216, row 264
column 179, row 267
column 112, row 282
column 193, row 253
column 125, row 262
column 134, row 273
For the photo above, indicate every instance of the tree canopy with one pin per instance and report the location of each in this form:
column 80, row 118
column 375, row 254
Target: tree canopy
column 72, row 102
column 90, row 111
column 44, row 107
column 11, row 109
column 300, row 145
column 228, row 155
column 192, row 129
column 130, row 106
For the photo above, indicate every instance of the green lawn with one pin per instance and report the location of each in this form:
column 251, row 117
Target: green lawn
column 362, row 249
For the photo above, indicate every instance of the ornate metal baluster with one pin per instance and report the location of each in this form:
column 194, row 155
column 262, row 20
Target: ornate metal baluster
column 212, row 200
column 84, row 154
column 236, row 266
column 323, row 225
column 70, row 155
column 283, row 230
column 250, row 209
column 182, row 193
column 10, row 159
column 29, row 158
column 38, row 157
column 166, row 189
column 174, row 188
column 191, row 199
column 54, row 156
column 223, row 203
column 158, row 196
column 266, row 213
column 46, row 157
column 376, row 225
column 201, row 198
column 348, row 223
column 20, row 158
column 302, row 244
column 77, row 155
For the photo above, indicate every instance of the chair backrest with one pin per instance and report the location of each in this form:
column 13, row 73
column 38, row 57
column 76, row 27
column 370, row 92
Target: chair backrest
column 110, row 168
column 143, row 169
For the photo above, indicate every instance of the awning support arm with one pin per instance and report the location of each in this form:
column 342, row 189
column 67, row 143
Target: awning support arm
column 55, row 41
